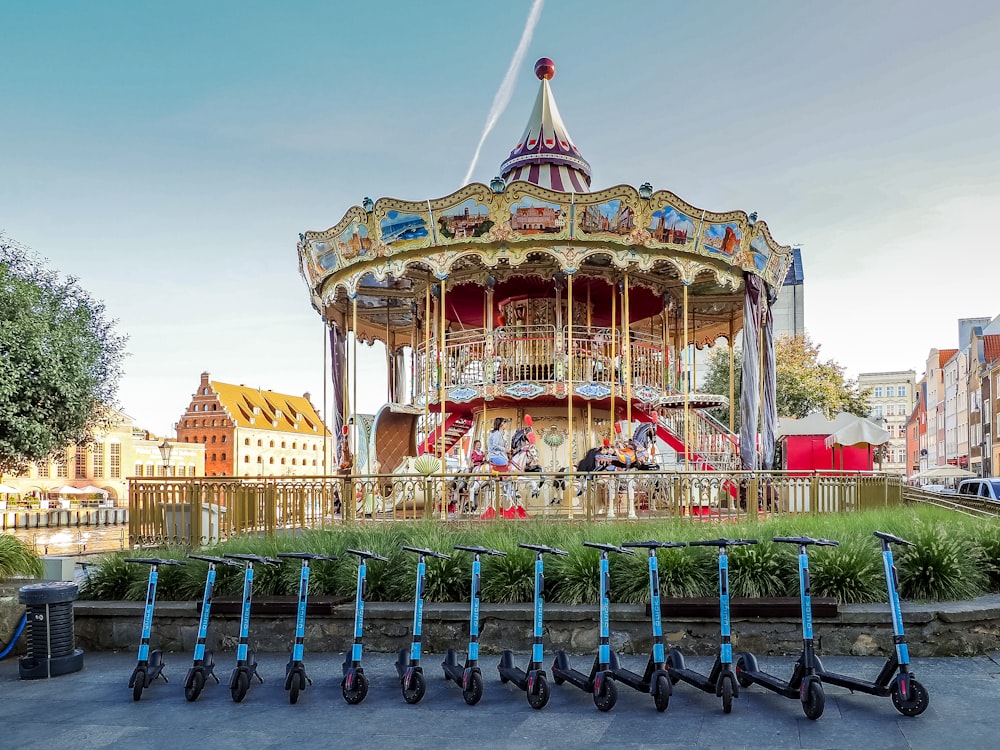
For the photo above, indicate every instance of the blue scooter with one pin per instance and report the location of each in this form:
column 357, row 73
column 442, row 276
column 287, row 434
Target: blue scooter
column 149, row 665
column 804, row 684
column 599, row 683
column 204, row 662
column 721, row 681
column 354, row 685
column 296, row 678
column 532, row 680
column 909, row 697
column 411, row 674
column 246, row 660
column 655, row 679
column 470, row 677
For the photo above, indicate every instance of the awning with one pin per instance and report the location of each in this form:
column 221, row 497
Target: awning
column 859, row 432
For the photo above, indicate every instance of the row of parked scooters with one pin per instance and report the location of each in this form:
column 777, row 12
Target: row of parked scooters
column 664, row 668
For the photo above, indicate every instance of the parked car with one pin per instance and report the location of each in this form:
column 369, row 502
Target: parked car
column 940, row 489
column 985, row 489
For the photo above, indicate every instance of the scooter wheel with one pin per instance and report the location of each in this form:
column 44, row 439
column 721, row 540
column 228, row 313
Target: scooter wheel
column 294, row 686
column 675, row 660
column 727, row 694
column 606, row 698
column 240, row 688
column 415, row 692
column 541, row 697
column 475, row 691
column 815, row 700
column 138, row 684
column 916, row 704
column 357, row 693
column 741, row 672
column 661, row 698
column 194, row 687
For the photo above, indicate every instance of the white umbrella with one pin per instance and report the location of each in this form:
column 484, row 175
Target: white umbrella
column 859, row 432
column 68, row 490
column 6, row 489
column 92, row 490
column 945, row 472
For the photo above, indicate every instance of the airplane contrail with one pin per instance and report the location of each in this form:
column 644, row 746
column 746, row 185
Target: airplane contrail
column 506, row 90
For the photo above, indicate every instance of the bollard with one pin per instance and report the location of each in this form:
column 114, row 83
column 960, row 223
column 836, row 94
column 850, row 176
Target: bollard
column 51, row 639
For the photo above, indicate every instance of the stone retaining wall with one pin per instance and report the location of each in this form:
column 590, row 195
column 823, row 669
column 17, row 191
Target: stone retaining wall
column 943, row 629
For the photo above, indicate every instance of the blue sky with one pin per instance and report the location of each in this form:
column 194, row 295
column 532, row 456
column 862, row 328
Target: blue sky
column 170, row 153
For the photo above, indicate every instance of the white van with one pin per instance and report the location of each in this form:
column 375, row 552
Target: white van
column 985, row 489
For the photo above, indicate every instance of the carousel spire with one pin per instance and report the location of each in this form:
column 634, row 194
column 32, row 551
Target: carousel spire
column 545, row 155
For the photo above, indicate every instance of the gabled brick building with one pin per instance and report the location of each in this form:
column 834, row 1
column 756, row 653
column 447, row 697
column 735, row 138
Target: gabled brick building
column 252, row 432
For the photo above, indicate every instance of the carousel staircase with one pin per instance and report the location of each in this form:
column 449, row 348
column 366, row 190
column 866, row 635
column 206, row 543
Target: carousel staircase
column 710, row 445
column 455, row 426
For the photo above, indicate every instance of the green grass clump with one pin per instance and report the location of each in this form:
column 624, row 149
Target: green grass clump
column 851, row 573
column 938, row 567
column 17, row 559
column 763, row 569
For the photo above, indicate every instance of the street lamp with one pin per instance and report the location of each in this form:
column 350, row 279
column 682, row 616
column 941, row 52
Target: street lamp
column 165, row 450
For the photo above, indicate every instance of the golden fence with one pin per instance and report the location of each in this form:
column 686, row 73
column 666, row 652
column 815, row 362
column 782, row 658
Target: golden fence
column 201, row 510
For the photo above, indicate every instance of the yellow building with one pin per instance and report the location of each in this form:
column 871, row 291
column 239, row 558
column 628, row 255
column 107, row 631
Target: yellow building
column 97, row 472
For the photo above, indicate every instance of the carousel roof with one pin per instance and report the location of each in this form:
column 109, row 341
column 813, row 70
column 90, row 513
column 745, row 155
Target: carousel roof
column 545, row 154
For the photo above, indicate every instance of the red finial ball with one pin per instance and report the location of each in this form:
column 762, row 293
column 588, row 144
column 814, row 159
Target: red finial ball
column 545, row 69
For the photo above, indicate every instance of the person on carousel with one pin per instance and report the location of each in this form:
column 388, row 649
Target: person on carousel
column 476, row 456
column 496, row 446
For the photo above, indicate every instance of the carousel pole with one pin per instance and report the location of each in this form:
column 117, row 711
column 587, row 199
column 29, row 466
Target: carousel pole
column 590, row 333
column 569, row 485
column 441, row 400
column 326, row 408
column 687, row 390
column 665, row 330
column 427, row 381
column 614, row 354
column 627, row 345
column 354, row 398
column 732, row 371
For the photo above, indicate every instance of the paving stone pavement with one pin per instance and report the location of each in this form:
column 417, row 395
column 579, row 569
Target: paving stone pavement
column 94, row 709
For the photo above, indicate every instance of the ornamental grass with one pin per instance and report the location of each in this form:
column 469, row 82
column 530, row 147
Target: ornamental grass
column 955, row 557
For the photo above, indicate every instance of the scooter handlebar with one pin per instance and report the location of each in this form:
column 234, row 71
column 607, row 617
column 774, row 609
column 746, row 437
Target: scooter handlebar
column 306, row 556
column 543, row 548
column 805, row 540
column 653, row 544
column 154, row 561
column 216, row 560
column 365, row 554
column 481, row 550
column 892, row 538
column 256, row 559
column 609, row 548
column 721, row 542
column 426, row 552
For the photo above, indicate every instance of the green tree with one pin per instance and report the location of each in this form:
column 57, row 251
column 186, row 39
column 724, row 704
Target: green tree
column 60, row 360
column 804, row 384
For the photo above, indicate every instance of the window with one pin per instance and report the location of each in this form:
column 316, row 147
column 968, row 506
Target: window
column 204, row 439
column 282, row 462
column 223, row 456
column 271, row 460
column 877, row 411
column 138, row 470
column 890, row 391
column 214, row 458
column 116, row 460
column 271, row 444
column 204, row 391
column 246, row 459
column 295, row 446
column 150, row 470
column 260, row 459
column 223, row 439
column 190, row 471
column 80, row 468
column 260, row 443
column 878, row 391
column 246, row 441
column 901, row 391
column 293, row 462
column 901, row 409
column 213, row 438
column 282, row 443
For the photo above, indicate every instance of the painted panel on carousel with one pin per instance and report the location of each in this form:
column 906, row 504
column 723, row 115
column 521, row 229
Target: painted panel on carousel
column 723, row 239
column 531, row 216
column 353, row 242
column 467, row 220
column 613, row 217
column 592, row 390
column 524, row 390
column 462, row 394
column 671, row 226
column 402, row 229
column 755, row 259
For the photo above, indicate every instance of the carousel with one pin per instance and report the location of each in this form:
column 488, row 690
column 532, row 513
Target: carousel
column 555, row 321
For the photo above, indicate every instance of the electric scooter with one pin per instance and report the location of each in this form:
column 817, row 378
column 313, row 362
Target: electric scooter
column 721, row 680
column 204, row 662
column 149, row 665
column 296, row 678
column 532, row 680
column 470, row 676
column 599, row 682
column 411, row 674
column 909, row 697
column 804, row 683
column 354, row 685
column 246, row 661
column 654, row 680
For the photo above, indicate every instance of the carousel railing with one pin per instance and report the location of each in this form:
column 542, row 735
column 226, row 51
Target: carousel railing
column 204, row 510
column 531, row 353
column 706, row 439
